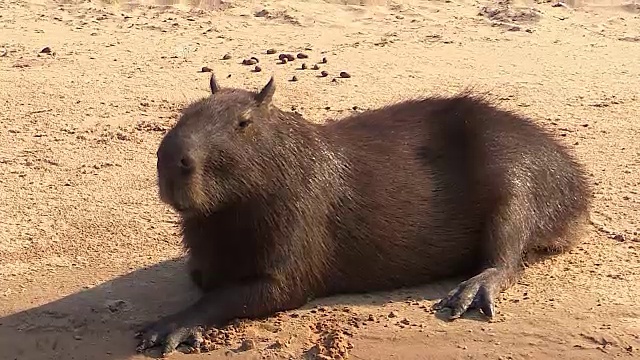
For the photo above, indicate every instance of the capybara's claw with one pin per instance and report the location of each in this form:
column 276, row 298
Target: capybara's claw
column 477, row 292
column 168, row 334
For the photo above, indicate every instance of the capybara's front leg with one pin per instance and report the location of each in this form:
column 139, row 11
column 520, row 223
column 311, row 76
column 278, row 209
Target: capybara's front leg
column 253, row 300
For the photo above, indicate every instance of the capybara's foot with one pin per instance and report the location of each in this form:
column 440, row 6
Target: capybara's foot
column 477, row 292
column 168, row 333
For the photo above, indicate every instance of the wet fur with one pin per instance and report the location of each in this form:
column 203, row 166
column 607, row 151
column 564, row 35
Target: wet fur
column 399, row 196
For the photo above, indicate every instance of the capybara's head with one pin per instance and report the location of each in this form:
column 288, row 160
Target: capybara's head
column 221, row 150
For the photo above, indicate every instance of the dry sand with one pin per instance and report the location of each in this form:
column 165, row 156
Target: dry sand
column 87, row 252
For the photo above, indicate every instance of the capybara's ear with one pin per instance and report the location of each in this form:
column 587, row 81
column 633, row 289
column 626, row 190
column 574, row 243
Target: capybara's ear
column 213, row 84
column 265, row 95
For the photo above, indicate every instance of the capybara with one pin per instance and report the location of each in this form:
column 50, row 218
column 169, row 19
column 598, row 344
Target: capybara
column 276, row 210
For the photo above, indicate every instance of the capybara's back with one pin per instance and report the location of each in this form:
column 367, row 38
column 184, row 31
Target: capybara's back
column 276, row 210
column 450, row 185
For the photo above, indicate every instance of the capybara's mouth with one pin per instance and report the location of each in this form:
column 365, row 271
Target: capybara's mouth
column 169, row 198
column 183, row 210
column 180, row 208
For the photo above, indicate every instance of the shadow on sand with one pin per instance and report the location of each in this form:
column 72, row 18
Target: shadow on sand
column 100, row 322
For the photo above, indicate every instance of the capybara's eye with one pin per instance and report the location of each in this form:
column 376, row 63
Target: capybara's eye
column 244, row 123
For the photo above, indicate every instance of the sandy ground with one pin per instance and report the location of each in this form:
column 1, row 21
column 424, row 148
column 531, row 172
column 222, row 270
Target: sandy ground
column 87, row 251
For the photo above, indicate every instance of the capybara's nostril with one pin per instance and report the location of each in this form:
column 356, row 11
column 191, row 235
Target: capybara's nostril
column 187, row 164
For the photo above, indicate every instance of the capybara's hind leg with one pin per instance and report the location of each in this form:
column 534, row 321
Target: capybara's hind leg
column 559, row 240
column 504, row 240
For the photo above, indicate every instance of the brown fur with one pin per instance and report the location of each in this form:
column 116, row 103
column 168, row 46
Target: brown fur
column 283, row 210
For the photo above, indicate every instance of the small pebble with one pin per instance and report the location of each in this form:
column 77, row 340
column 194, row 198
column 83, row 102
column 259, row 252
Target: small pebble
column 344, row 74
column 302, row 56
column 45, row 50
column 206, row 69
column 303, row 66
column 226, row 57
column 392, row 314
column 271, row 51
column 294, row 78
column 315, row 67
column 324, row 73
column 289, row 57
column 283, row 61
column 255, row 59
column 117, row 305
column 278, row 344
column 257, row 69
column 324, row 60
column 405, row 321
column 249, row 62
column 247, row 344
